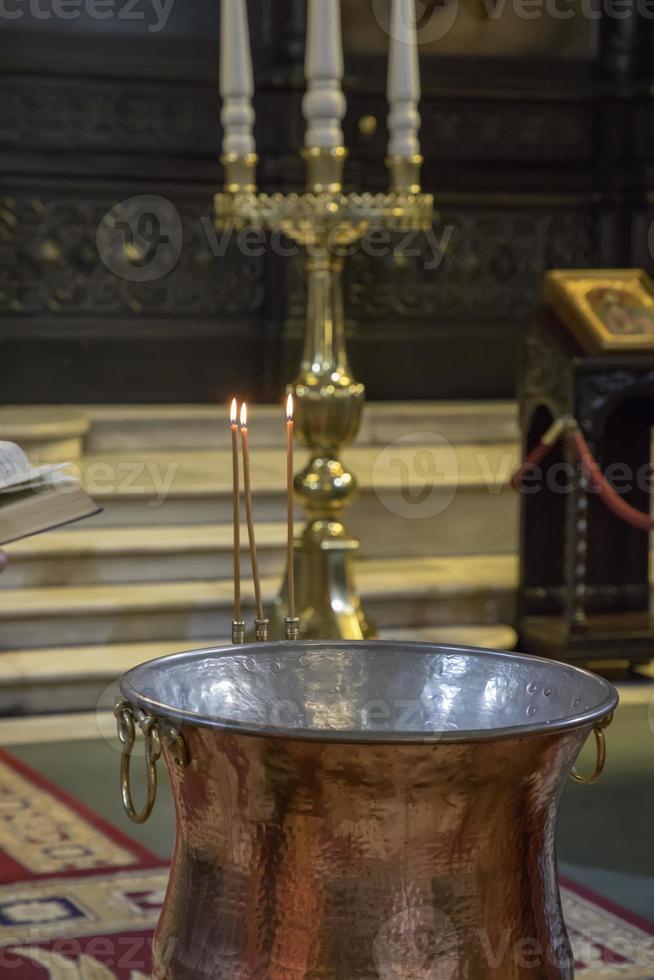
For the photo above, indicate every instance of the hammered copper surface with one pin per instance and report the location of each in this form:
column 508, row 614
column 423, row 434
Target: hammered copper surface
column 309, row 861
column 301, row 857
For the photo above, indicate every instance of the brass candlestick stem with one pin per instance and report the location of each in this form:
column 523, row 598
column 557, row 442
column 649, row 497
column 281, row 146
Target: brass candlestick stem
column 328, row 400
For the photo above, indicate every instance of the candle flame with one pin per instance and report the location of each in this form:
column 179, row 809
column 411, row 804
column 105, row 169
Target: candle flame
column 233, row 412
column 289, row 408
column 244, row 416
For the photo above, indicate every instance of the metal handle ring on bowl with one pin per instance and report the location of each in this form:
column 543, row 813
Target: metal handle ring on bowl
column 127, row 736
column 158, row 736
column 600, row 764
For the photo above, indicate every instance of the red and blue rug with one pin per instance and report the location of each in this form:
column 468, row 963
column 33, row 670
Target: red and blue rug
column 79, row 900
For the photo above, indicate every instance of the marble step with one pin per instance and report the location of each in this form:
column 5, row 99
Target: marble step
column 138, row 428
column 401, row 593
column 423, row 499
column 48, row 434
column 106, row 555
column 40, row 682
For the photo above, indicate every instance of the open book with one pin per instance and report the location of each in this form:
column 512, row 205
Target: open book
column 35, row 499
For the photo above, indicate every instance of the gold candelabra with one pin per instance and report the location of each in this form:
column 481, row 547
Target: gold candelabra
column 328, row 400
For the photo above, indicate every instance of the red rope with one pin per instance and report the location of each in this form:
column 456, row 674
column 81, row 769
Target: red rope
column 630, row 515
column 615, row 503
column 540, row 451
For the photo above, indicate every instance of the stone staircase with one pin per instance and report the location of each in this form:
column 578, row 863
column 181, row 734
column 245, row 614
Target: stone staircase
column 152, row 573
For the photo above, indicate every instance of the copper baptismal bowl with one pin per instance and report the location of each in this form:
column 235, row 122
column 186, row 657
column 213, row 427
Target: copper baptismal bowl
column 362, row 810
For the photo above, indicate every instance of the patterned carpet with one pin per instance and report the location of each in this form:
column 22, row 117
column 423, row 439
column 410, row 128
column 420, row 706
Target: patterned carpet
column 79, row 900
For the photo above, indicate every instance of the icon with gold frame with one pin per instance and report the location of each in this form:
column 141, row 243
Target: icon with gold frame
column 607, row 310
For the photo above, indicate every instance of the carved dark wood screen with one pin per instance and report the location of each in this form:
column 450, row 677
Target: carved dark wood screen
column 536, row 162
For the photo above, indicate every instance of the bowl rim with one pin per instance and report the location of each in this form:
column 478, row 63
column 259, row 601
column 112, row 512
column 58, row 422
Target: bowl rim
column 179, row 716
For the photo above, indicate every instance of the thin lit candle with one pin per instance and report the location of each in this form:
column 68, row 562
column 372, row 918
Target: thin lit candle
column 236, row 498
column 247, row 488
column 290, row 521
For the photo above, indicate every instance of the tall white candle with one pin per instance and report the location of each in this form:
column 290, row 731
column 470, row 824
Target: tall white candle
column 236, row 79
column 324, row 103
column 403, row 81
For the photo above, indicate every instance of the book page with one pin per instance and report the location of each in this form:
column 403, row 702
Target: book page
column 14, row 465
column 17, row 471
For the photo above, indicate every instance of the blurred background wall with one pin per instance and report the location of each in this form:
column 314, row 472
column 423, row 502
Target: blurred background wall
column 537, row 136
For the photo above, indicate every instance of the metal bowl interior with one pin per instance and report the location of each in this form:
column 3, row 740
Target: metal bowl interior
column 369, row 691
